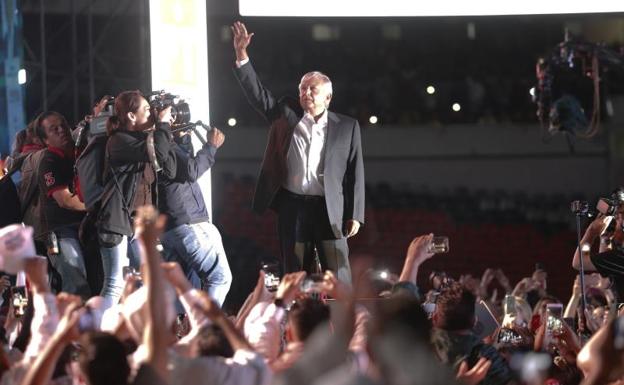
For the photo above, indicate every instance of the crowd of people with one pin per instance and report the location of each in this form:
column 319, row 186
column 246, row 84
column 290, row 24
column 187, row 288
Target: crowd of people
column 133, row 274
column 316, row 329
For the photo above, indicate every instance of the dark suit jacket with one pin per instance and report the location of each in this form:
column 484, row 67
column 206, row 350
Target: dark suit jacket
column 343, row 168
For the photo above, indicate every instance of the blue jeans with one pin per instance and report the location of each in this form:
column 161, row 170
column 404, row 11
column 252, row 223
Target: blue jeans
column 199, row 248
column 113, row 261
column 69, row 263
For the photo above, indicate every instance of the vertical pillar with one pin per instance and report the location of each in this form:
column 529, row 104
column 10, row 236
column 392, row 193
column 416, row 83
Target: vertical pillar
column 11, row 92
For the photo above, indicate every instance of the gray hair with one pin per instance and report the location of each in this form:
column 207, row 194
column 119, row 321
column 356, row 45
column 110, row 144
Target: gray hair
column 320, row 76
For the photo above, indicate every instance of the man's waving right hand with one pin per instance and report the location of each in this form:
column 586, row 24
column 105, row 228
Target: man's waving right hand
column 241, row 40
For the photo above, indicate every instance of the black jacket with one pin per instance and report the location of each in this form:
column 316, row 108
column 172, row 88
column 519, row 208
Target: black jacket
column 180, row 198
column 126, row 159
column 343, row 178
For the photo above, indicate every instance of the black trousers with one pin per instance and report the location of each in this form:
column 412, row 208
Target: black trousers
column 303, row 226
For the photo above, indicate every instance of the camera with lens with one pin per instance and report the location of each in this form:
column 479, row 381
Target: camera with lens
column 94, row 125
column 98, row 123
column 610, row 205
column 180, row 110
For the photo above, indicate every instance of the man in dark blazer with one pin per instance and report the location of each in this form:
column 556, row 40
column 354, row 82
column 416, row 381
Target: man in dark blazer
column 312, row 173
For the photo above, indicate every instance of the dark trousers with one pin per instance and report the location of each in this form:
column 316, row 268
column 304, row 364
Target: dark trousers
column 303, row 226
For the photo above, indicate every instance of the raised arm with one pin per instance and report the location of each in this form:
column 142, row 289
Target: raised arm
column 591, row 234
column 149, row 226
column 417, row 253
column 190, row 167
column 40, row 372
column 216, row 315
column 257, row 95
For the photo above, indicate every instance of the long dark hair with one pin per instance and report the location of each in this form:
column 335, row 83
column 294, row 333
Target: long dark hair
column 127, row 101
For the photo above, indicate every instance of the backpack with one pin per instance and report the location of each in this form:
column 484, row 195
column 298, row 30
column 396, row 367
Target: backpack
column 20, row 204
column 90, row 167
column 10, row 212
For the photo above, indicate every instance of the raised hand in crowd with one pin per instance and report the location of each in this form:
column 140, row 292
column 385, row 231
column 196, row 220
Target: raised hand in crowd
column 471, row 283
column 259, row 294
column 474, row 375
column 216, row 315
column 290, row 287
column 567, row 344
column 36, row 269
column 241, row 40
column 176, row 277
column 503, row 280
column 335, row 288
column 40, row 372
column 148, row 226
column 417, row 253
column 524, row 286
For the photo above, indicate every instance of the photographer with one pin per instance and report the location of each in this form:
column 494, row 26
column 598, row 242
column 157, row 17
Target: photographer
column 130, row 180
column 609, row 261
column 61, row 209
column 190, row 238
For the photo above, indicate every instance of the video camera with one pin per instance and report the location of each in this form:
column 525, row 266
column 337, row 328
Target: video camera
column 98, row 123
column 610, row 205
column 180, row 110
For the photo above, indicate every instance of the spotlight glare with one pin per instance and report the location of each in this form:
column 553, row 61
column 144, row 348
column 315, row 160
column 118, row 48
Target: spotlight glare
column 532, row 91
column 231, row 122
column 383, row 275
column 431, row 90
column 21, row 76
column 456, row 107
column 373, row 119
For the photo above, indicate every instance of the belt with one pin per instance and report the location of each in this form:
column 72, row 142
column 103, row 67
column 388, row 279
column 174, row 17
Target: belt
column 312, row 198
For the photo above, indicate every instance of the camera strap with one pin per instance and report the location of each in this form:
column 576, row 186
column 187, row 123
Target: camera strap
column 151, row 151
column 126, row 207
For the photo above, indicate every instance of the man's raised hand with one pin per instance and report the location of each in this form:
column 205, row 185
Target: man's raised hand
column 241, row 39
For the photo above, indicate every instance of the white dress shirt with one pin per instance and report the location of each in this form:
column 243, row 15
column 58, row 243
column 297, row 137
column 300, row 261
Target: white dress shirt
column 306, row 156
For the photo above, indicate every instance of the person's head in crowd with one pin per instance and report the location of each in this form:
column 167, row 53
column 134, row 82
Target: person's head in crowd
column 439, row 280
column 27, row 140
column 20, row 141
column 53, row 130
column 132, row 113
column 399, row 343
column 102, row 359
column 539, row 310
column 315, row 92
column 522, row 312
column 598, row 309
column 211, row 341
column 455, row 309
column 305, row 315
column 405, row 313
